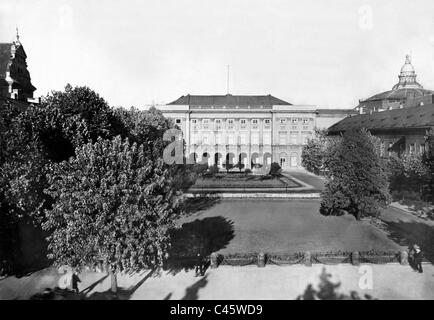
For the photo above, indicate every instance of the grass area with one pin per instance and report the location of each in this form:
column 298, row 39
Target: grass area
column 280, row 226
column 235, row 180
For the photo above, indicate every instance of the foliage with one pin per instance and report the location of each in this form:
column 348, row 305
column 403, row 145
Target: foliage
column 145, row 127
column 409, row 174
column 111, row 203
column 357, row 179
column 313, row 153
column 275, row 169
column 428, row 160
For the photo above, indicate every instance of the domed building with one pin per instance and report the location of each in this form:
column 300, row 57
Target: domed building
column 406, row 93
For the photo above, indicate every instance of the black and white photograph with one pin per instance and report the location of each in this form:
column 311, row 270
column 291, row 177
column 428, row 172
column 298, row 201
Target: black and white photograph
column 191, row 151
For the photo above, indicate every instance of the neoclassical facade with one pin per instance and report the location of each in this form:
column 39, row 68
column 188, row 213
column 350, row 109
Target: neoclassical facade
column 251, row 130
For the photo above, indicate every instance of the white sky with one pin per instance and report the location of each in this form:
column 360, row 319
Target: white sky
column 327, row 53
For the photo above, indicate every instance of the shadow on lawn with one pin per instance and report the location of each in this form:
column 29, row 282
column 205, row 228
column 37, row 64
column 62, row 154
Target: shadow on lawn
column 202, row 237
column 200, row 203
column 410, row 233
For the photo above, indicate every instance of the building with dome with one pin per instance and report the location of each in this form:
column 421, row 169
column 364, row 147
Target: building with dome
column 253, row 130
column 406, row 93
column 402, row 117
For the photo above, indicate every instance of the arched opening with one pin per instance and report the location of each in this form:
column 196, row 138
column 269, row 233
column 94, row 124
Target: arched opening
column 229, row 161
column 218, row 159
column 205, row 158
column 255, row 160
column 294, row 160
column 282, row 160
column 267, row 159
column 242, row 161
column 192, row 158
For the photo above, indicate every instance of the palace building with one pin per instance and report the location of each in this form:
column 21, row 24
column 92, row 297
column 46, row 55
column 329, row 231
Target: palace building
column 15, row 82
column 402, row 118
column 251, row 130
column 406, row 93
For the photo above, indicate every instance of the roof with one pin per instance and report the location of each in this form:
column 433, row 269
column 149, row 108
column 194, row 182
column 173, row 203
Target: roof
column 413, row 117
column 229, row 100
column 399, row 94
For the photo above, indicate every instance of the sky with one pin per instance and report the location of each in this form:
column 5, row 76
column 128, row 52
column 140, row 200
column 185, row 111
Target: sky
column 328, row 53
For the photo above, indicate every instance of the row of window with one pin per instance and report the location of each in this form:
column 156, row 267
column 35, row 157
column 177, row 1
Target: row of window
column 232, row 138
column 413, row 148
column 243, row 123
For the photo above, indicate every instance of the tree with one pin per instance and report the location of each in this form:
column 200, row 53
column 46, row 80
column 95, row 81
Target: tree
column 357, row 180
column 112, row 203
column 428, row 160
column 313, row 153
column 275, row 169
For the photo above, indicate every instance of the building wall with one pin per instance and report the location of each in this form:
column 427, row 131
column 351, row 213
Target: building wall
column 258, row 135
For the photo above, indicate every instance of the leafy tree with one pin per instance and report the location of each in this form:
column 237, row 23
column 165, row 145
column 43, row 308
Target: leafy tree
column 145, row 127
column 357, row 177
column 112, row 204
column 428, row 160
column 313, row 153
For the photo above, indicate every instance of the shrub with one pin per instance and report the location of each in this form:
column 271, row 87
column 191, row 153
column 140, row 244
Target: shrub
column 357, row 181
column 275, row 169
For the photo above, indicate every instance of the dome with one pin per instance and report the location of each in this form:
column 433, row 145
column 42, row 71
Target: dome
column 407, row 77
column 406, row 88
column 407, row 67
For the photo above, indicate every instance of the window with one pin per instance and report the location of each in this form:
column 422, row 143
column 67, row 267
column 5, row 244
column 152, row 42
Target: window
column 266, row 138
column 243, row 138
column 412, row 148
column 422, row 148
column 243, row 124
column 282, row 123
column 217, row 124
column 267, row 124
column 389, row 149
column 282, row 120
column 219, row 138
column 255, row 138
column 205, row 124
column 231, row 138
column 230, row 123
column 194, row 124
column 294, row 121
column 255, row 124
column 282, row 138
column 178, row 121
column 305, row 120
column 294, row 137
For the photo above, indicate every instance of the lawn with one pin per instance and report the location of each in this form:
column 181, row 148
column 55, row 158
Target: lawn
column 280, row 226
column 234, row 180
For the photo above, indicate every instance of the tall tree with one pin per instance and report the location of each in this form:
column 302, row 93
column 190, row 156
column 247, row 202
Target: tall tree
column 313, row 153
column 357, row 177
column 112, row 204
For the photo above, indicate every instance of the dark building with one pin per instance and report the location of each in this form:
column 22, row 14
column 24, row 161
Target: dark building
column 15, row 82
column 401, row 131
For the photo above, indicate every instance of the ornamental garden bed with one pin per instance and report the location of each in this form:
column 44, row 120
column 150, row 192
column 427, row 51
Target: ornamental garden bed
column 244, row 181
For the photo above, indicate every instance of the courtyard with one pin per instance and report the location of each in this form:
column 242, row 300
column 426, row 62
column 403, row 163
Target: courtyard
column 277, row 226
